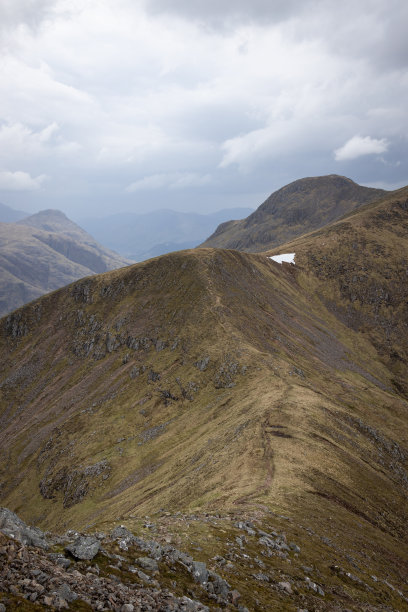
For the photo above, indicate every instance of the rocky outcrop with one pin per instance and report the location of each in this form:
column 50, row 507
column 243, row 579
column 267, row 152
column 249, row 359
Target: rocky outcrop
column 124, row 572
column 13, row 527
column 51, row 580
column 74, row 484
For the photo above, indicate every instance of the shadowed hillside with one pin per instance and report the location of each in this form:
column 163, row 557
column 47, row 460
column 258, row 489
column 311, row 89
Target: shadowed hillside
column 297, row 208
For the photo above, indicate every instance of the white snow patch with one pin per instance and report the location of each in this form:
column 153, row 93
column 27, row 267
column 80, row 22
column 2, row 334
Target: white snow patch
column 285, row 257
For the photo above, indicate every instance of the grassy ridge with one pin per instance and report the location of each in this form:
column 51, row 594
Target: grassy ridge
column 214, row 380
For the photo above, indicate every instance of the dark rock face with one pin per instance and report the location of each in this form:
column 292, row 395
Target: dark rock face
column 84, row 547
column 224, row 378
column 11, row 525
column 74, row 484
column 15, row 326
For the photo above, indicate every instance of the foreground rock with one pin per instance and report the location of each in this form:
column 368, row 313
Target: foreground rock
column 249, row 564
column 29, row 574
column 12, row 526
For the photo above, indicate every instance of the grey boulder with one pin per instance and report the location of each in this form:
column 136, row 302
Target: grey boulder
column 199, row 571
column 148, row 564
column 84, row 547
column 13, row 527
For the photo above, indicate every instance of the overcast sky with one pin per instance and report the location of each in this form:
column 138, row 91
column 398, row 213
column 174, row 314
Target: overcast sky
column 115, row 105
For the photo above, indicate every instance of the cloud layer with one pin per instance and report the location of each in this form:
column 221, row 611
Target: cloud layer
column 130, row 105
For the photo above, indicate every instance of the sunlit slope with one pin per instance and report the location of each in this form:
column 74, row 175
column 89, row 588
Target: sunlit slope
column 200, row 380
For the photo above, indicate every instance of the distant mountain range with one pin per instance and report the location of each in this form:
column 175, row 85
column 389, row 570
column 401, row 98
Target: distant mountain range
column 142, row 236
column 10, row 215
column 46, row 251
column 293, row 210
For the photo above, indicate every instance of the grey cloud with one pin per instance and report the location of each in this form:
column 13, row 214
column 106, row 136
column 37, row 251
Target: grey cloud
column 219, row 13
column 367, row 30
column 114, row 95
column 373, row 30
column 28, row 12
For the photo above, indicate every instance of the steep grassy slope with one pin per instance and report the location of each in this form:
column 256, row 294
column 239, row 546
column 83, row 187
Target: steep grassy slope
column 34, row 261
column 359, row 268
column 297, row 208
column 203, row 381
column 210, row 386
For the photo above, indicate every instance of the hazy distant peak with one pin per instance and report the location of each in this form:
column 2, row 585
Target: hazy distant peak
column 51, row 213
column 53, row 220
column 10, row 215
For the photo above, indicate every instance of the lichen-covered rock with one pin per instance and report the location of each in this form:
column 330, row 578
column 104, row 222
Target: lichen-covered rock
column 148, row 564
column 84, row 547
column 202, row 364
column 199, row 571
column 121, row 532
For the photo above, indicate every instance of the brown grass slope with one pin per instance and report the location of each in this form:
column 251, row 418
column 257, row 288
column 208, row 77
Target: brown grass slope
column 359, row 269
column 35, row 260
column 293, row 210
column 208, row 380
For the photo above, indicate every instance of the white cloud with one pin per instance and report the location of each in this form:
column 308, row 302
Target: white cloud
column 20, row 181
column 358, row 146
column 189, row 179
column 177, row 180
column 19, row 142
column 155, row 181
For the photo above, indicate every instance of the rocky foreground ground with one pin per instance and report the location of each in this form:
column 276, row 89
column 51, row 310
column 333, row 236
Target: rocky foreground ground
column 123, row 572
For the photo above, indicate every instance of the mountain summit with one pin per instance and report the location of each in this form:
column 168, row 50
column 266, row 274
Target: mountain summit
column 53, row 220
column 293, row 210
